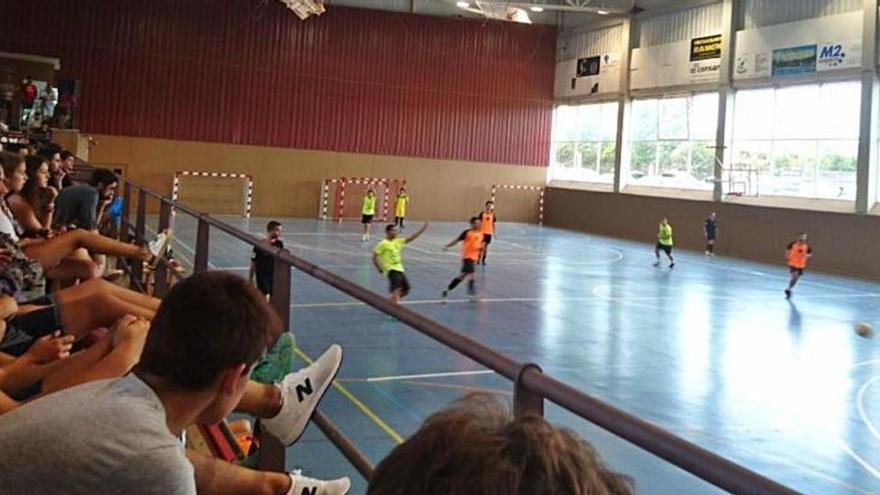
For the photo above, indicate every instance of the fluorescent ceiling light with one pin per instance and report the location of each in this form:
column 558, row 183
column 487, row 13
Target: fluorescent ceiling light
column 535, row 8
column 602, row 12
column 463, row 5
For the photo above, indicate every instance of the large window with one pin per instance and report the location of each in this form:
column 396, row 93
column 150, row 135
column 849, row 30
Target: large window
column 798, row 141
column 583, row 142
column 673, row 141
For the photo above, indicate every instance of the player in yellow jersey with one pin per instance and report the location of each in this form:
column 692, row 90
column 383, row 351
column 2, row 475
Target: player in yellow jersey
column 472, row 247
column 368, row 210
column 664, row 242
column 388, row 260
column 400, row 204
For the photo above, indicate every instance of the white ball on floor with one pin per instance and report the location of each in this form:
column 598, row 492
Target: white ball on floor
column 865, row 330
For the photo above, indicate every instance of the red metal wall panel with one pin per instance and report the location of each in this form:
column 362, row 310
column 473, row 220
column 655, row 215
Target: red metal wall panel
column 249, row 72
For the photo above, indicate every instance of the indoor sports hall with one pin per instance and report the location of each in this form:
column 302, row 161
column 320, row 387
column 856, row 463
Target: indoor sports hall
column 563, row 246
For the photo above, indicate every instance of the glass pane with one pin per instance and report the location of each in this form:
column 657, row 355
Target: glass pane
column 644, row 158
column 608, row 122
column 753, row 114
column 673, row 115
column 644, row 120
column 703, row 162
column 589, row 122
column 793, row 169
column 704, row 116
column 588, row 155
column 797, row 112
column 606, row 166
column 839, row 111
column 565, row 123
column 837, row 169
column 564, row 155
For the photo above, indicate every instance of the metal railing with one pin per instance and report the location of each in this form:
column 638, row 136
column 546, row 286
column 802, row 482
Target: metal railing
column 531, row 386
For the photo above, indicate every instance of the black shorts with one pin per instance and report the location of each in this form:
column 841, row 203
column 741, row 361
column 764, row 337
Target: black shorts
column 23, row 330
column 468, row 266
column 264, row 284
column 666, row 249
column 487, row 239
column 799, row 271
column 397, row 282
column 366, row 219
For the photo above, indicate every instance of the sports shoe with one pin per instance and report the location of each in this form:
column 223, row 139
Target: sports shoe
column 445, row 295
column 672, row 265
column 301, row 392
column 788, row 293
column 708, row 253
column 303, row 485
column 656, row 264
column 159, row 246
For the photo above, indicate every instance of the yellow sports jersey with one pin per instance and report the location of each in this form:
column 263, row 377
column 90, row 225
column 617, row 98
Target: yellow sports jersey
column 400, row 205
column 388, row 252
column 664, row 236
column 369, row 207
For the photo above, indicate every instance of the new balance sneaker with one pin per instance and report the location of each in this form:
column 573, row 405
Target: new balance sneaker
column 301, row 392
column 303, row 485
column 158, row 247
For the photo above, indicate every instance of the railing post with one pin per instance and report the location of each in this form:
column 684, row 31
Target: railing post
column 160, row 276
column 280, row 299
column 526, row 401
column 126, row 209
column 141, row 222
column 202, row 239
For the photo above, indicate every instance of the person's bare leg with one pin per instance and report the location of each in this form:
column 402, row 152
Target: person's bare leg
column 216, row 477
column 72, row 269
column 68, row 370
column 99, row 286
column 80, row 316
column 260, row 400
column 51, row 251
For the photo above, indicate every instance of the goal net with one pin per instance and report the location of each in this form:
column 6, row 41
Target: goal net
column 342, row 198
column 220, row 193
column 519, row 203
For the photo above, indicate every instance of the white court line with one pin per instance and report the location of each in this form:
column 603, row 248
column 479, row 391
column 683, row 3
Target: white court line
column 428, row 375
column 861, row 405
column 865, row 464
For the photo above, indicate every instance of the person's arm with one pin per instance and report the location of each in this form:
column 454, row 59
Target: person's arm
column 788, row 250
column 129, row 336
column 455, row 241
column 377, row 264
column 25, row 215
column 37, row 363
column 417, row 233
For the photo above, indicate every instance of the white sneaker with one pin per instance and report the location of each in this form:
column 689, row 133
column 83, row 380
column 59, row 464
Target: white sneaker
column 301, row 392
column 159, row 246
column 303, row 485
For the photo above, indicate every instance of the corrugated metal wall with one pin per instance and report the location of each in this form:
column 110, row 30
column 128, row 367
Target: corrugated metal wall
column 759, row 13
column 574, row 44
column 249, row 72
column 677, row 26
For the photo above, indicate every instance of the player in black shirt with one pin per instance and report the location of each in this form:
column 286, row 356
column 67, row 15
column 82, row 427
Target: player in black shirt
column 263, row 264
column 710, row 228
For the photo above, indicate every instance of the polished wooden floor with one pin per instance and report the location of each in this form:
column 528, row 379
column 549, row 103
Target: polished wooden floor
column 710, row 350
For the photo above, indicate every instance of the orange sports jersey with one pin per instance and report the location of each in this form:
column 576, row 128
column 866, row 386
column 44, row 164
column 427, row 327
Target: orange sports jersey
column 798, row 254
column 472, row 244
column 487, row 223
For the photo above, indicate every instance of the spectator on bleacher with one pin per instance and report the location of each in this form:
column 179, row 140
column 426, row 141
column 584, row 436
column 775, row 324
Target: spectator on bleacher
column 28, row 97
column 32, row 207
column 61, row 177
column 81, row 205
column 42, row 135
column 477, row 448
column 121, row 435
column 7, row 96
column 48, row 100
column 53, row 256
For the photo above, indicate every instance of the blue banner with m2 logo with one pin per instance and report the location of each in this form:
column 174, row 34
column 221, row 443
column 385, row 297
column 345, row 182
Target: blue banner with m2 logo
column 795, row 60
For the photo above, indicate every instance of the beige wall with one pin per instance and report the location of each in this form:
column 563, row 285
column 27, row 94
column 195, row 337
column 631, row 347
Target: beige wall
column 287, row 182
column 843, row 243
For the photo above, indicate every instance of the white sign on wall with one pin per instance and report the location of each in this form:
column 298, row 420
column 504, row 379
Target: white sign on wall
column 588, row 76
column 673, row 64
column 814, row 45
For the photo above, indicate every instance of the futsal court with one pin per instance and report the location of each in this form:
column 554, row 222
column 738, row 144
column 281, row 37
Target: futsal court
column 711, row 350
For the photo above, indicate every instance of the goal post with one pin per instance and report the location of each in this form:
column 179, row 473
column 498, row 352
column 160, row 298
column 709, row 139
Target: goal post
column 340, row 197
column 215, row 192
column 533, row 203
